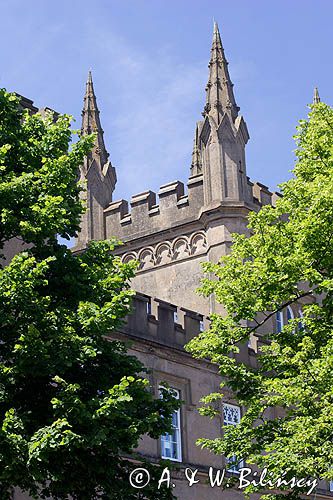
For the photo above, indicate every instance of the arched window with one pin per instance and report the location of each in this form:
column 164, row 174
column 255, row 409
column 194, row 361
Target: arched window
column 279, row 321
column 290, row 314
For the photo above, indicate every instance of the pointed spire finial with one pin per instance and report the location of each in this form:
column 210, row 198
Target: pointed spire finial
column 196, row 165
column 220, row 97
column 316, row 97
column 91, row 122
column 96, row 171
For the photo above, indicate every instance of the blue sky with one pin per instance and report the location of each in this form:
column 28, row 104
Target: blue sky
column 149, row 61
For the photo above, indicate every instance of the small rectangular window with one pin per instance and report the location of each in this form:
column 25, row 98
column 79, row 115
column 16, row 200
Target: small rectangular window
column 171, row 443
column 232, row 416
column 149, row 307
column 175, row 317
column 331, row 485
column 201, row 326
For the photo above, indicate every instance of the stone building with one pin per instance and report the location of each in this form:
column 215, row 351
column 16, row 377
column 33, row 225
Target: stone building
column 171, row 234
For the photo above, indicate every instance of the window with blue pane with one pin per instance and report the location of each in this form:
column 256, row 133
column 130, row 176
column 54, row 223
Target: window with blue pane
column 279, row 321
column 171, row 443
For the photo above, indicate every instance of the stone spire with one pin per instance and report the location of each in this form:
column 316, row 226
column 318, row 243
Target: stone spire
column 219, row 146
column 316, row 97
column 97, row 175
column 91, row 123
column 220, row 96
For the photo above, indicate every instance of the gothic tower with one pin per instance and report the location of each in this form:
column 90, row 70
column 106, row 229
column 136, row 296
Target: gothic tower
column 173, row 232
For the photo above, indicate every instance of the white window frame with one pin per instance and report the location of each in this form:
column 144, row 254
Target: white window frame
column 178, row 430
column 290, row 313
column 235, row 468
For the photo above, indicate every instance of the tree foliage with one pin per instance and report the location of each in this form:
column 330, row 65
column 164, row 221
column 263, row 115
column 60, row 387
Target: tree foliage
column 287, row 423
column 72, row 403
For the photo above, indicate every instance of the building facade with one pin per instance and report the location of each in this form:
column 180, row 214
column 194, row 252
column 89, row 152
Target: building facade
column 171, row 234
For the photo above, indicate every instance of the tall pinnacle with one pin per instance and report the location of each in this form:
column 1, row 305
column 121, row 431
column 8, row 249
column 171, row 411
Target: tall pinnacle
column 220, row 96
column 91, row 122
column 316, row 97
column 196, row 164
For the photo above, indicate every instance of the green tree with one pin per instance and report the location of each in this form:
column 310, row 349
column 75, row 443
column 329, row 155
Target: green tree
column 286, row 260
column 72, row 403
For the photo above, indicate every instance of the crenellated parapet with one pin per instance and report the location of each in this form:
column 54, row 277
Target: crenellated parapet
column 160, row 321
column 148, row 213
column 263, row 196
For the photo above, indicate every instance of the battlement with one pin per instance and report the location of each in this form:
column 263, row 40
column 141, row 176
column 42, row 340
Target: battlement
column 166, row 324
column 263, row 195
column 160, row 321
column 145, row 215
column 148, row 212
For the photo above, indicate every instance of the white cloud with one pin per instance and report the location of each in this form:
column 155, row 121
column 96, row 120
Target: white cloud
column 151, row 107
